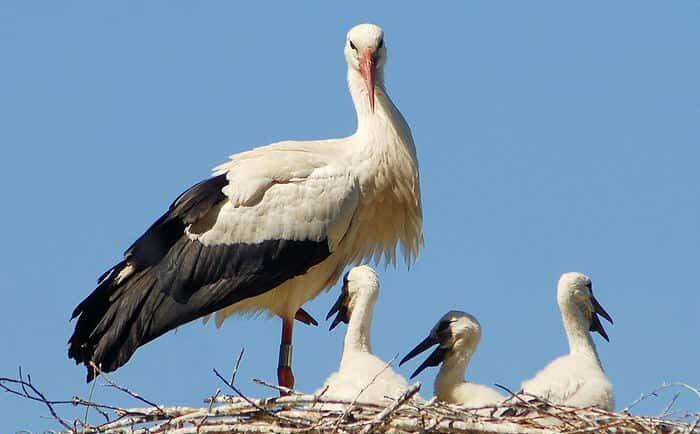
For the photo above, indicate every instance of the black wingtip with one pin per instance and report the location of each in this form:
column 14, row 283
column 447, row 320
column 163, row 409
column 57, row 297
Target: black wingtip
column 90, row 374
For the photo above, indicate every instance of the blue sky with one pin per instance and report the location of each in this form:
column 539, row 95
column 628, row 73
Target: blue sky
column 552, row 136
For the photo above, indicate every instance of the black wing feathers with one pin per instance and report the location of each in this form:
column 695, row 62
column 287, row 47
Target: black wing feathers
column 150, row 248
column 176, row 279
column 186, row 209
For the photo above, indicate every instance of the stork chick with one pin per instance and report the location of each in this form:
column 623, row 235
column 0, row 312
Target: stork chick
column 576, row 379
column 457, row 335
column 360, row 369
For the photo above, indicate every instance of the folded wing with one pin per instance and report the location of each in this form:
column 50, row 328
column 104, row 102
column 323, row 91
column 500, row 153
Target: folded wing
column 234, row 236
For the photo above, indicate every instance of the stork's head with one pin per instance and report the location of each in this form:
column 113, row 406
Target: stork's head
column 365, row 52
column 575, row 293
column 457, row 334
column 359, row 283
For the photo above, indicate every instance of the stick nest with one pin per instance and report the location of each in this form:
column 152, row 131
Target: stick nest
column 303, row 413
column 300, row 413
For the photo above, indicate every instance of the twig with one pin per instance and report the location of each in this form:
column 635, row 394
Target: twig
column 257, row 406
column 211, row 404
column 667, row 409
column 124, row 389
column 318, row 396
column 282, row 389
column 655, row 393
column 641, row 398
column 694, row 425
column 534, row 407
column 87, row 408
column 38, row 396
column 235, row 367
column 695, row 390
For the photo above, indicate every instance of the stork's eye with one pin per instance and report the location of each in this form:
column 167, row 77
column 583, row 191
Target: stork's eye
column 381, row 44
column 352, row 45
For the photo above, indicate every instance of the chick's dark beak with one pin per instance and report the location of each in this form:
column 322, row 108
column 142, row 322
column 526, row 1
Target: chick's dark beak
column 596, row 325
column 600, row 310
column 341, row 309
column 434, row 359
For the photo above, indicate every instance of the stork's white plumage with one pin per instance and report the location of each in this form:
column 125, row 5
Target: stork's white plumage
column 361, row 375
column 457, row 335
column 273, row 228
column 576, row 379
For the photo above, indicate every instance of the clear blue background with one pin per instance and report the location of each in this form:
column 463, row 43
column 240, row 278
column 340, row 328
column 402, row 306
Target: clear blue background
column 552, row 136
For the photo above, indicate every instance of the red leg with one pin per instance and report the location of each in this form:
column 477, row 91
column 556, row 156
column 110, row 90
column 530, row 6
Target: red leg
column 284, row 367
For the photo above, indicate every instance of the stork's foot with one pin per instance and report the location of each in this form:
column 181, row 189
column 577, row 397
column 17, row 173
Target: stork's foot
column 285, row 378
column 305, row 317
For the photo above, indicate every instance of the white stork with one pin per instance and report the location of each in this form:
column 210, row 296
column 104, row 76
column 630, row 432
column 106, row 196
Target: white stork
column 457, row 335
column 576, row 379
column 269, row 231
column 361, row 375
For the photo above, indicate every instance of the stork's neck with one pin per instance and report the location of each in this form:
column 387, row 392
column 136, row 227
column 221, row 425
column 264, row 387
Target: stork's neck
column 382, row 138
column 357, row 337
column 385, row 112
column 453, row 370
column 576, row 326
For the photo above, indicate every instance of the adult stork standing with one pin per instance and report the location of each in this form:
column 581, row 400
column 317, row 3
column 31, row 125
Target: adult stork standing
column 269, row 231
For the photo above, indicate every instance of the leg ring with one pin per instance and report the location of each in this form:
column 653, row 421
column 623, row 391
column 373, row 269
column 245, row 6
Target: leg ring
column 285, row 360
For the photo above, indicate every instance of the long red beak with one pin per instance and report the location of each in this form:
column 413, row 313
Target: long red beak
column 367, row 71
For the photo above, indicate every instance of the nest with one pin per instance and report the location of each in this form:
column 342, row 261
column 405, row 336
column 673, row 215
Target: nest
column 300, row 413
column 295, row 412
